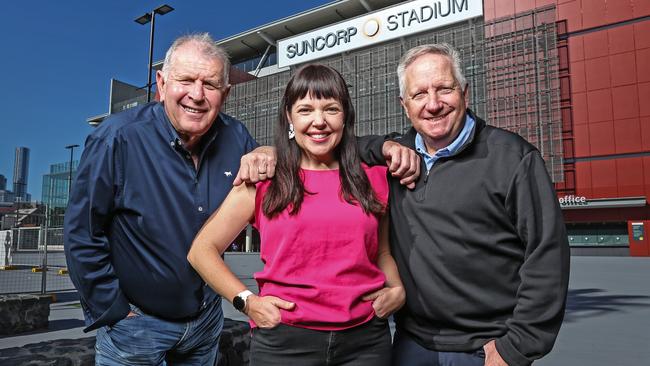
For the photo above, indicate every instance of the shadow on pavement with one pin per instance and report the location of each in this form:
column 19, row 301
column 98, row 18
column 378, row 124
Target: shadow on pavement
column 593, row 302
column 63, row 324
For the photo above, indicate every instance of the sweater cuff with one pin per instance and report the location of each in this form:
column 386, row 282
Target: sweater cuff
column 509, row 353
column 370, row 149
column 118, row 311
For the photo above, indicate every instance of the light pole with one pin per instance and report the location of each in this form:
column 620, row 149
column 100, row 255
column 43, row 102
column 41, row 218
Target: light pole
column 71, row 148
column 144, row 19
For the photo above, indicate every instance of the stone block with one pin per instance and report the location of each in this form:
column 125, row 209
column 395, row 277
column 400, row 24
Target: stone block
column 23, row 313
column 233, row 349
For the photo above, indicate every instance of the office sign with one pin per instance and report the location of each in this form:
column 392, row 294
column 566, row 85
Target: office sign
column 380, row 26
column 571, row 202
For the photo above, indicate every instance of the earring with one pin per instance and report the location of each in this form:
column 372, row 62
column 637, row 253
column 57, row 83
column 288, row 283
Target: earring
column 292, row 132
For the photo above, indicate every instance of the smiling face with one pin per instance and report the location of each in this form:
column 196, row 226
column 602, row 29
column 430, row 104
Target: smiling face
column 433, row 100
column 193, row 92
column 319, row 124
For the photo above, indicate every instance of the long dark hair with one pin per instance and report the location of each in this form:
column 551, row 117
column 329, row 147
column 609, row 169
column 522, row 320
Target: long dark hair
column 287, row 188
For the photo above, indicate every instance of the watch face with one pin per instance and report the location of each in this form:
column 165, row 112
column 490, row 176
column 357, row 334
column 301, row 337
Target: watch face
column 238, row 303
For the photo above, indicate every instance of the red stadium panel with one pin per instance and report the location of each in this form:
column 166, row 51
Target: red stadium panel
column 645, row 135
column 578, row 81
column 572, row 12
column 576, row 48
column 603, row 179
column 644, row 99
column 504, row 8
column 488, row 10
column 581, row 140
column 595, row 44
column 627, row 136
column 629, row 177
column 643, row 64
column 579, row 108
column 641, row 8
column 646, row 176
column 625, row 102
column 600, row 138
column 524, row 5
column 618, row 11
column 583, row 179
column 597, row 73
column 642, row 34
column 623, row 68
column 540, row 3
column 621, row 39
column 599, row 105
column 594, row 13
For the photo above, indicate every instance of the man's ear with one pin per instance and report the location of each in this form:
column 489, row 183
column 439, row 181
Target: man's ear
column 401, row 101
column 160, row 85
column 226, row 92
column 466, row 95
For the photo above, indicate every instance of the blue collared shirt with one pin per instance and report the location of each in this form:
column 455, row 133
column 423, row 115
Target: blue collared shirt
column 449, row 150
column 136, row 205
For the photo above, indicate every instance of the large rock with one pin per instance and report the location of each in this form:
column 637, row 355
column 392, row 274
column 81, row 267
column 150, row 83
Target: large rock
column 22, row 313
column 233, row 347
column 60, row 352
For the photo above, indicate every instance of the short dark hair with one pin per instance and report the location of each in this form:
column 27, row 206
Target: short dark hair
column 287, row 188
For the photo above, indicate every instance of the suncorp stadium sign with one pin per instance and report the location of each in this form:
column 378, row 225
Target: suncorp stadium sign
column 398, row 21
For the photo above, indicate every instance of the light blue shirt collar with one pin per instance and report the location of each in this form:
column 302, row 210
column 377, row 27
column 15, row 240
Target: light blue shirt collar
column 451, row 149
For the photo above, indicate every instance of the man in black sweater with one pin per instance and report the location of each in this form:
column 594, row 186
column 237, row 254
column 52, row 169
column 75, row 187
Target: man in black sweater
column 480, row 242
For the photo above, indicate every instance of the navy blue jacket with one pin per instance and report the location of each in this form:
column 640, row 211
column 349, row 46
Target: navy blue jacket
column 136, row 205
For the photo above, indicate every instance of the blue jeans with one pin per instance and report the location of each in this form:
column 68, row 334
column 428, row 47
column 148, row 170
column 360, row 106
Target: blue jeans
column 408, row 352
column 364, row 345
column 147, row 340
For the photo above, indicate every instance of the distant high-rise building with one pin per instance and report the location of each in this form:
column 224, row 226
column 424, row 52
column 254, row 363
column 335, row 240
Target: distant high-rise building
column 6, row 198
column 21, row 173
column 56, row 183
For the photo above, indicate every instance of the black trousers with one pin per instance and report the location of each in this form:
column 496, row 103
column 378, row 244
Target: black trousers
column 368, row 344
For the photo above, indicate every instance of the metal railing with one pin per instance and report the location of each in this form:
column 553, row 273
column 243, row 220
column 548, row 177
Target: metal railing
column 32, row 260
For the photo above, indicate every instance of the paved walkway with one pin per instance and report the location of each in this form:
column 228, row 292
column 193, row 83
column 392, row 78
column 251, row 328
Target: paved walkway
column 607, row 320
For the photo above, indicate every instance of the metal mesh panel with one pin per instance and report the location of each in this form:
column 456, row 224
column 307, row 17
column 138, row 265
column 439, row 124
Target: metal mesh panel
column 31, row 262
column 522, row 82
column 511, row 66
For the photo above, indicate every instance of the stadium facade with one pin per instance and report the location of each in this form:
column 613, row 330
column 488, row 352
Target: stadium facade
column 570, row 76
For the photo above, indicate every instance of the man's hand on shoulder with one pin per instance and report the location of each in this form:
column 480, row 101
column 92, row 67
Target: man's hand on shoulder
column 492, row 356
column 402, row 162
column 256, row 166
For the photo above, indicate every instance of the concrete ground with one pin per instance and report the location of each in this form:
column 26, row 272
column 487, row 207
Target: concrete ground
column 607, row 320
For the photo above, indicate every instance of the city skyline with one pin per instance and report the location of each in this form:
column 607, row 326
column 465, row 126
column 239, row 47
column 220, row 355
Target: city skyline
column 64, row 55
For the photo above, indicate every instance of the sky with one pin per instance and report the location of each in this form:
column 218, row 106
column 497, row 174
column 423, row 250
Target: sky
column 59, row 56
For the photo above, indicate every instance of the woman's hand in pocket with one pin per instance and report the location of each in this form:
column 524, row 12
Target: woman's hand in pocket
column 265, row 310
column 387, row 300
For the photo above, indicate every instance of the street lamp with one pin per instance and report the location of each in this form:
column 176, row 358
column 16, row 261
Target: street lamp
column 144, row 19
column 71, row 148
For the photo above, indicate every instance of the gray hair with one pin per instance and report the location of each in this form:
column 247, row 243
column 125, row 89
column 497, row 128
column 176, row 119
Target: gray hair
column 443, row 49
column 208, row 47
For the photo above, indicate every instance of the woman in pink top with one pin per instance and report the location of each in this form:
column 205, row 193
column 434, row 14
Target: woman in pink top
column 329, row 281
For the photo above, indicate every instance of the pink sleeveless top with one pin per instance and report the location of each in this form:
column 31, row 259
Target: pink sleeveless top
column 324, row 258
